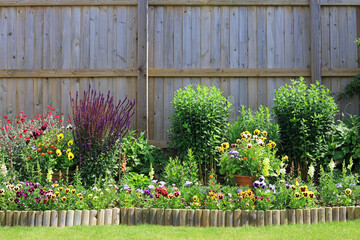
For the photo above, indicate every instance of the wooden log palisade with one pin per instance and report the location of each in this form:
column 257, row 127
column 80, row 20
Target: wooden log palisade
column 177, row 217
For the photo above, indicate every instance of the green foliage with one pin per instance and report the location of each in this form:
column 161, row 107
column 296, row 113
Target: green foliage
column 338, row 189
column 178, row 172
column 135, row 180
column 140, row 155
column 305, row 114
column 199, row 122
column 345, row 142
column 249, row 121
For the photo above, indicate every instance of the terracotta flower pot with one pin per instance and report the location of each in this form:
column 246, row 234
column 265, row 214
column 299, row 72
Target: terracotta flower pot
column 244, row 180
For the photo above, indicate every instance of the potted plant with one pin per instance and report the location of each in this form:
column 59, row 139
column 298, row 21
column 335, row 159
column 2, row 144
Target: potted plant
column 250, row 157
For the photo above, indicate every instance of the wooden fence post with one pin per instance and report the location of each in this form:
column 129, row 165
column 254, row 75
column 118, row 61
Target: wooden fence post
column 142, row 101
column 315, row 12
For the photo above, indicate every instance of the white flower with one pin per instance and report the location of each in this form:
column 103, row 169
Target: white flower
column 3, row 170
column 331, row 165
column 311, row 171
column 249, row 145
column 282, row 171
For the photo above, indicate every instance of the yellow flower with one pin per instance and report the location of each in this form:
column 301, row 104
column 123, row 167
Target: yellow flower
column 57, row 194
column 101, row 194
column 238, row 140
column 68, row 151
column 61, row 188
column 67, row 190
column 60, row 136
column 256, row 132
column 195, row 198
column 73, row 191
column 70, row 156
column 96, row 198
column 285, row 158
column 303, row 188
column 58, row 152
column 90, row 196
column 293, row 187
column 305, row 194
column 79, row 195
column 63, row 199
column 348, row 191
column 297, row 195
column 220, row 149
column 225, row 145
column 139, row 195
column 70, row 143
column 311, row 195
column 264, row 133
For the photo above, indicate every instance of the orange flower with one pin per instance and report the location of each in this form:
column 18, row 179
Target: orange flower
column 39, row 149
column 253, row 157
column 51, row 152
column 211, row 176
column 212, row 182
column 42, row 154
column 29, row 158
column 244, row 158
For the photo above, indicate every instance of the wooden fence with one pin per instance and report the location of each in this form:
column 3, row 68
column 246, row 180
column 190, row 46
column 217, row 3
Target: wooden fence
column 148, row 49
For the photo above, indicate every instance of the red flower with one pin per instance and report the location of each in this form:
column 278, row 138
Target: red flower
column 23, row 119
column 157, row 190
column 20, row 136
column 16, row 117
column 157, row 195
column 62, row 113
column 28, row 138
column 48, row 105
column 52, row 109
column 29, row 158
column 57, row 116
column 69, row 120
column 52, row 124
column 42, row 154
column 60, row 120
column 6, row 117
column 24, row 115
column 9, row 121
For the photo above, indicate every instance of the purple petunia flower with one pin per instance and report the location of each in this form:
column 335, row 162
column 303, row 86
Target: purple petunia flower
column 147, row 192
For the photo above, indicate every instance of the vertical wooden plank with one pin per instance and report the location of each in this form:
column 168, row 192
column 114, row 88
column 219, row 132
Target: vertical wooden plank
column 3, row 60
column 85, row 38
column 270, row 53
column 315, row 29
column 159, row 82
column 195, row 42
column 334, row 47
column 244, row 56
column 94, row 36
column 234, row 49
column 38, row 58
column 298, row 37
column 224, row 47
column 186, row 39
column 169, row 63
column 29, row 59
column 252, row 56
column 102, row 23
column 289, row 52
column 151, row 94
column 261, row 55
column 111, row 38
column 66, row 58
column 142, row 80
column 205, row 42
column 75, row 36
column 325, row 43
column 20, row 58
column 132, row 53
column 279, row 60
column 306, row 29
column 215, row 38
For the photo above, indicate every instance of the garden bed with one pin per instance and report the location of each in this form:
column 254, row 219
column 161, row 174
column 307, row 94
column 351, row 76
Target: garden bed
column 178, row 217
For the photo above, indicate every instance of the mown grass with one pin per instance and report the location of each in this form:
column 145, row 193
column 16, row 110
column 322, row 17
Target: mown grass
column 333, row 231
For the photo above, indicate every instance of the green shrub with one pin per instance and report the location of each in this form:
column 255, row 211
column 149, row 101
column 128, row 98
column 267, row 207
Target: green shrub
column 200, row 122
column 179, row 172
column 345, row 142
column 140, row 155
column 305, row 115
column 249, row 121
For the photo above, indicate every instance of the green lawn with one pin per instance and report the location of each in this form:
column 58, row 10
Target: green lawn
column 348, row 230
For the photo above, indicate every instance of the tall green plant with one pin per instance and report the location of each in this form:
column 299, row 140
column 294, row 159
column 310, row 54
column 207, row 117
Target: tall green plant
column 305, row 114
column 200, row 122
column 249, row 120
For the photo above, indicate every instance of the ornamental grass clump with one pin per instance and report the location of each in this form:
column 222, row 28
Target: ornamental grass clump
column 99, row 125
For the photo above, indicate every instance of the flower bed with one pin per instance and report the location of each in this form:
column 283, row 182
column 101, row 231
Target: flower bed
column 178, row 217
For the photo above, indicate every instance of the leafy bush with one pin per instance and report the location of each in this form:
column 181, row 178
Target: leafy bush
column 305, row 115
column 199, row 122
column 345, row 142
column 99, row 125
column 179, row 172
column 249, row 121
column 140, row 155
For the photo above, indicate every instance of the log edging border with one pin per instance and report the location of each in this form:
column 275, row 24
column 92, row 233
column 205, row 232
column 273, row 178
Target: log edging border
column 177, row 217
